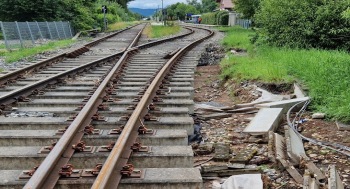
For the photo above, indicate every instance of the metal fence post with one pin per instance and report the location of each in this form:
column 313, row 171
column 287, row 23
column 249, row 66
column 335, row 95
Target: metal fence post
column 58, row 33
column 31, row 34
column 48, row 28
column 70, row 30
column 64, row 32
column 5, row 38
column 41, row 35
column 19, row 34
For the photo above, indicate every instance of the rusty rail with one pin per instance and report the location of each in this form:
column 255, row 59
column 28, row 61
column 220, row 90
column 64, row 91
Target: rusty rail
column 110, row 174
column 47, row 174
column 17, row 74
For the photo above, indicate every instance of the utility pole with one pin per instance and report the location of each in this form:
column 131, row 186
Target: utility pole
column 163, row 13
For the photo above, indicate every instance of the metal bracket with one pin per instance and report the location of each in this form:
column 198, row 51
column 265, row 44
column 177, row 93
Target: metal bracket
column 129, row 172
column 92, row 172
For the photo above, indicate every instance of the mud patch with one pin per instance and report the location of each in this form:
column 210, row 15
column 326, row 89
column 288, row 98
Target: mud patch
column 277, row 88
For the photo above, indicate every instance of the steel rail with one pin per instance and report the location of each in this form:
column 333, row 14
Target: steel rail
column 47, row 174
column 110, row 176
column 17, row 74
column 58, row 156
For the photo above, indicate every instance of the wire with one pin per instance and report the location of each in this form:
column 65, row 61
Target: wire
column 297, row 119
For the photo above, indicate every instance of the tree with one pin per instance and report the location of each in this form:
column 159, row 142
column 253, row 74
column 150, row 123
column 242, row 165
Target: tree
column 209, row 5
column 306, row 24
column 247, row 7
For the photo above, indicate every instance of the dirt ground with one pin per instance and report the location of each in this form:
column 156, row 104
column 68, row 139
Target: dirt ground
column 210, row 89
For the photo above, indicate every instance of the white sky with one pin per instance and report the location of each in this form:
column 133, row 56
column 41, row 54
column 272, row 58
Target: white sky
column 152, row 4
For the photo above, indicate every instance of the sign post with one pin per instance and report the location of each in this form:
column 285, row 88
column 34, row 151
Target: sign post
column 104, row 11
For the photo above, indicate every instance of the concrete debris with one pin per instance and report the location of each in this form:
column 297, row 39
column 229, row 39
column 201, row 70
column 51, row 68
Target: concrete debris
column 212, row 55
column 334, row 181
column 216, row 185
column 267, row 119
column 309, row 182
column 318, row 116
column 342, row 126
column 203, row 149
column 247, row 181
column 298, row 91
column 244, row 156
column 222, row 152
column 285, row 104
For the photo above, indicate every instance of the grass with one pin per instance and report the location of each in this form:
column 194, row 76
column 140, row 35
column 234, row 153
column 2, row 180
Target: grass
column 120, row 25
column 325, row 73
column 12, row 56
column 161, row 31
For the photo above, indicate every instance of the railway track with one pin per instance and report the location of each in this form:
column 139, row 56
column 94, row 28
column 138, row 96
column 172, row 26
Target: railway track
column 113, row 120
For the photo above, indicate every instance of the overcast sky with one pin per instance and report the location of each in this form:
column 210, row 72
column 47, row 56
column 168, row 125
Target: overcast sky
column 152, row 4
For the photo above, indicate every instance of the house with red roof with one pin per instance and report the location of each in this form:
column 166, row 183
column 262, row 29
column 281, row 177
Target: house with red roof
column 225, row 5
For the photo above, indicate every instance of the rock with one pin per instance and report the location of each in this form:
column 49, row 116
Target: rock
column 246, row 181
column 204, row 149
column 213, row 166
column 236, row 166
column 222, row 152
column 318, row 116
column 313, row 155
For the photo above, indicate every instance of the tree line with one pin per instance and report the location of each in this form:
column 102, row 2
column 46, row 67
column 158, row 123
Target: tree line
column 321, row 24
column 83, row 14
column 180, row 10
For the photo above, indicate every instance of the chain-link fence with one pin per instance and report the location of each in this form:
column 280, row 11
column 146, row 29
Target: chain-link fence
column 27, row 34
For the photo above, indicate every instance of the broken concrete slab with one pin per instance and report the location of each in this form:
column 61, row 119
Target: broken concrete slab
column 267, row 119
column 298, row 91
column 281, row 157
column 285, row 104
column 236, row 166
column 213, row 166
column 334, row 181
column 295, row 146
column 222, row 152
column 244, row 156
column 310, row 183
column 342, row 126
column 246, row 181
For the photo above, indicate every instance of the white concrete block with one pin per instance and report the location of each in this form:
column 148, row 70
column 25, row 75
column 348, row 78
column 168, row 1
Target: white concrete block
column 267, row 119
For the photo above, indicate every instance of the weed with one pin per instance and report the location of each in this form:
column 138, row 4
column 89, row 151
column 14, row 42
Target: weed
column 161, row 31
column 326, row 73
column 27, row 52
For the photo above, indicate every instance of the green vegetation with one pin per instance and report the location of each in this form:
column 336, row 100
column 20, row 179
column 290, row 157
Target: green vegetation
column 305, row 24
column 161, row 31
column 179, row 10
column 83, row 14
column 120, row 25
column 215, row 18
column 27, row 52
column 325, row 73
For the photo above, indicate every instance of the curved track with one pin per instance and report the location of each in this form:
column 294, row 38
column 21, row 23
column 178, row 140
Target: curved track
column 135, row 106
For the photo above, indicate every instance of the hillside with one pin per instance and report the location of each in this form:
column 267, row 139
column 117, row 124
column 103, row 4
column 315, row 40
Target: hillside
column 143, row 12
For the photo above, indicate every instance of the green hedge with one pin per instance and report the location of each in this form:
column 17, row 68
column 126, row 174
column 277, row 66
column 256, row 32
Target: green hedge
column 215, row 18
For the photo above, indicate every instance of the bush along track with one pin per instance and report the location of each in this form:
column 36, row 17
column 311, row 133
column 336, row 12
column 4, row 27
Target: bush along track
column 324, row 72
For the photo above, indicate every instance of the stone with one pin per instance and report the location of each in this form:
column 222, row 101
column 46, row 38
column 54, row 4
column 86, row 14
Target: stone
column 216, row 185
column 222, row 152
column 244, row 156
column 318, row 116
column 213, row 166
column 236, row 166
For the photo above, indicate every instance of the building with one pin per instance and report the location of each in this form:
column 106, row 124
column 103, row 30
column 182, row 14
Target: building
column 225, row 5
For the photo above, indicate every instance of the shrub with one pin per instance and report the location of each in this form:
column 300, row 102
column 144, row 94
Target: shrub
column 305, row 24
column 216, row 18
